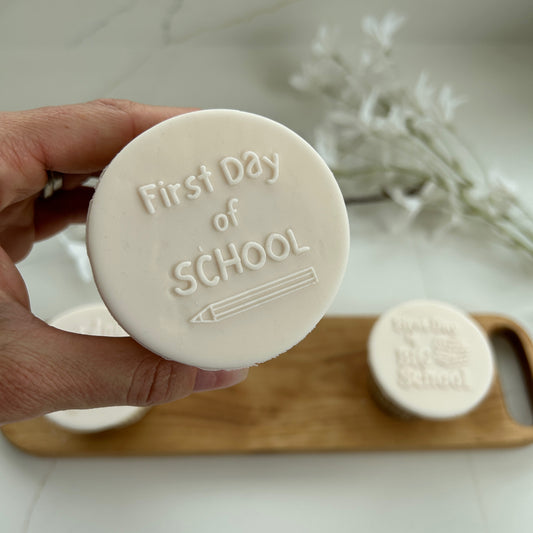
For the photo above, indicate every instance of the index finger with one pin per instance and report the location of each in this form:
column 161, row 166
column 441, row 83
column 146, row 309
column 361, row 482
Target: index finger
column 83, row 138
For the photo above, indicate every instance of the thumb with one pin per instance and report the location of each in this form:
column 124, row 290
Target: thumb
column 46, row 369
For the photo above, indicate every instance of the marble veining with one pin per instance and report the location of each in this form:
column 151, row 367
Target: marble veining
column 104, row 21
column 166, row 23
column 228, row 21
column 40, row 488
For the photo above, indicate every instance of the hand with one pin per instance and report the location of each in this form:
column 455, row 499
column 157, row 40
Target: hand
column 44, row 369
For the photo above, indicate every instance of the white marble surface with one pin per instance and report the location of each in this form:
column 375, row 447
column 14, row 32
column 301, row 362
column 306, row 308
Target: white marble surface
column 239, row 54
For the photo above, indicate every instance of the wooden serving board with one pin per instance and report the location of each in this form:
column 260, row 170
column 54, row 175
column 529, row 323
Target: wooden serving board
column 314, row 398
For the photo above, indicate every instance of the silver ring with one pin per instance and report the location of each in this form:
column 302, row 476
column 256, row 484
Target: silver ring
column 54, row 183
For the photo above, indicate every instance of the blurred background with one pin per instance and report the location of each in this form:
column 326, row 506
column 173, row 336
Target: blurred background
column 240, row 54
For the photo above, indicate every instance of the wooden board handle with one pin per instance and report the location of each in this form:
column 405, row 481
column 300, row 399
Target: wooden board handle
column 520, row 341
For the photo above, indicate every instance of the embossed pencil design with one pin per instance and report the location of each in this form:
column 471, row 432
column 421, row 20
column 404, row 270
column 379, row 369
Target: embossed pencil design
column 260, row 295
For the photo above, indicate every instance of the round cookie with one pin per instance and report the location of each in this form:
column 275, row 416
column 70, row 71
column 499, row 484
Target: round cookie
column 428, row 359
column 93, row 319
column 97, row 419
column 218, row 238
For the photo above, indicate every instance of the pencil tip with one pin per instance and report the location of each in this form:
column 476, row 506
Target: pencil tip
column 198, row 317
column 202, row 317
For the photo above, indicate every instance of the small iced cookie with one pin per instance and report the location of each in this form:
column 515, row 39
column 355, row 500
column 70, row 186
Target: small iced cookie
column 93, row 320
column 218, row 238
column 428, row 359
column 97, row 419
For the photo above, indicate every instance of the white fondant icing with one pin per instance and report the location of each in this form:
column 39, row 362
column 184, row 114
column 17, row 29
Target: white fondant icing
column 93, row 319
column 218, row 238
column 430, row 359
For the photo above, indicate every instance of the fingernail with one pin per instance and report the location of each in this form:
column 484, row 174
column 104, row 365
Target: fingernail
column 218, row 379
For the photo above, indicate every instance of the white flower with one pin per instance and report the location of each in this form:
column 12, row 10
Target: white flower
column 326, row 146
column 497, row 197
column 396, row 120
column 326, row 42
column 384, row 135
column 502, row 194
column 411, row 203
column 320, row 76
column 424, row 92
column 441, row 108
column 447, row 103
column 366, row 111
column 382, row 31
